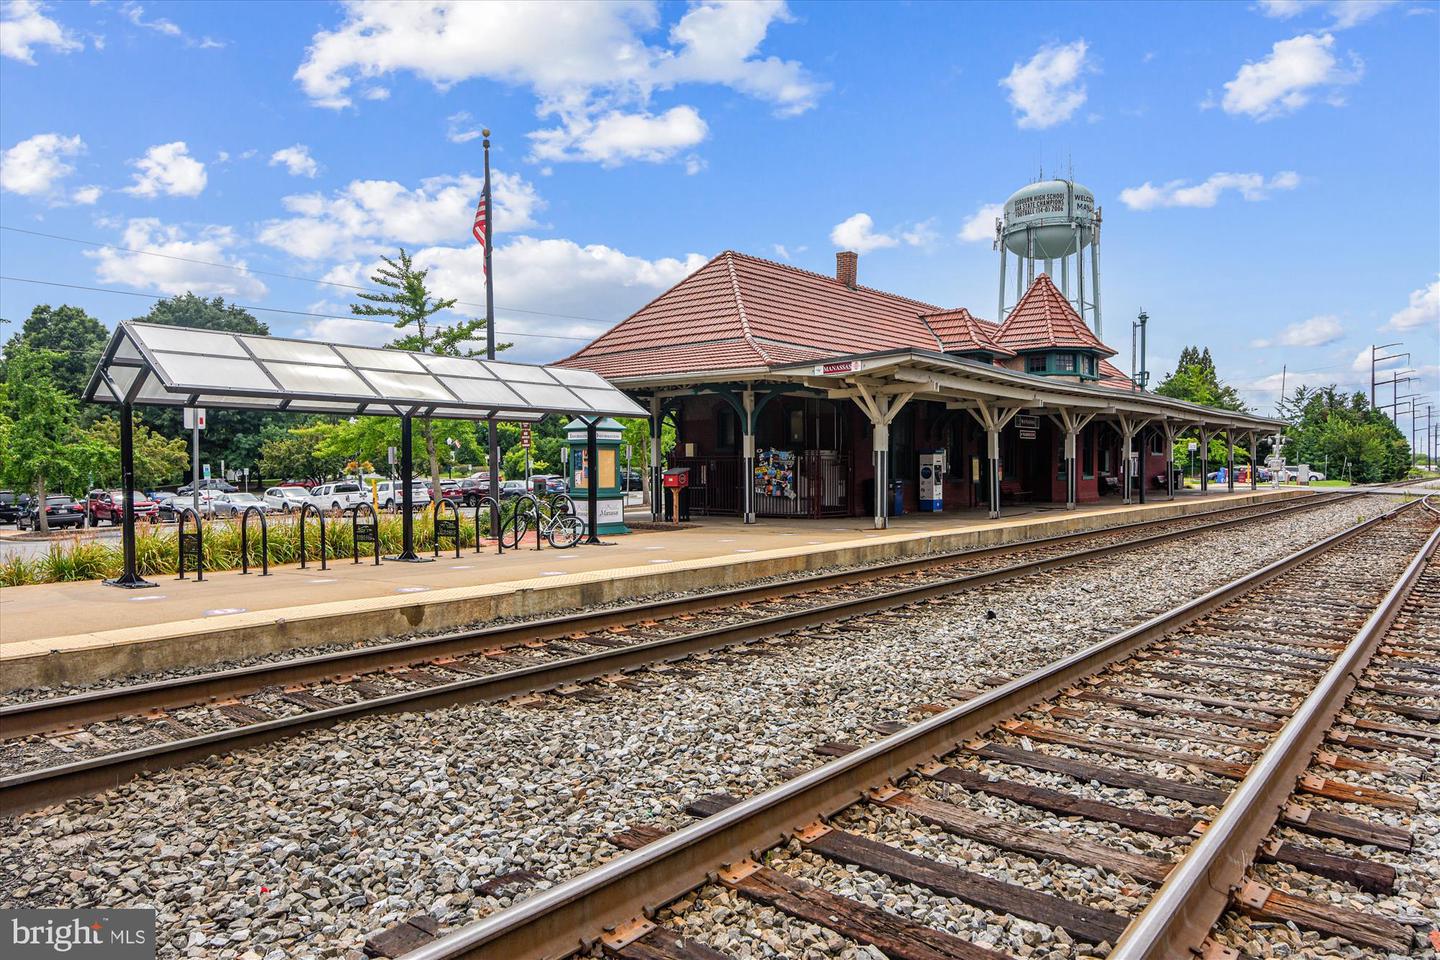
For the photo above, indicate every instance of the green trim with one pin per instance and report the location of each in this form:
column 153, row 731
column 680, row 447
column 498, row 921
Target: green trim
column 1053, row 369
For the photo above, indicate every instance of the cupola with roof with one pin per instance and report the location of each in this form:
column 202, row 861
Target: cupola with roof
column 1046, row 336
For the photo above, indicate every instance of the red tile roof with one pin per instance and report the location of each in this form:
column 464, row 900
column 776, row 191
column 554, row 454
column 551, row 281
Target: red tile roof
column 1044, row 318
column 1113, row 376
column 959, row 332
column 740, row 311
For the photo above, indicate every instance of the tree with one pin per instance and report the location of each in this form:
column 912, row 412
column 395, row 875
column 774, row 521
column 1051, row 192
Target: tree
column 408, row 301
column 158, row 459
column 76, row 338
column 1344, row 433
column 200, row 313
column 1195, row 380
column 46, row 449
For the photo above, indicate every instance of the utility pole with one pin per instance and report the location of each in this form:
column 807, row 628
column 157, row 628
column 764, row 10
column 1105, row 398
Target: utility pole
column 1374, row 360
column 1139, row 376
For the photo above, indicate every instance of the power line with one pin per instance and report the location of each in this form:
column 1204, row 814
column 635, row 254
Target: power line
column 284, row 276
column 243, row 306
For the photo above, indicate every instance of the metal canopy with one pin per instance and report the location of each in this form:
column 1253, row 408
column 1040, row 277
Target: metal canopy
column 156, row 365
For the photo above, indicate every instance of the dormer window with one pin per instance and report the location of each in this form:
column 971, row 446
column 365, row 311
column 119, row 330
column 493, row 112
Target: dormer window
column 1062, row 363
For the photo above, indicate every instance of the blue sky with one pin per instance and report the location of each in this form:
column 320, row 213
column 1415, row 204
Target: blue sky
column 1268, row 171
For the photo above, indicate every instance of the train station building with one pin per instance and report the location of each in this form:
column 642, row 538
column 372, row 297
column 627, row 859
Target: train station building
column 795, row 394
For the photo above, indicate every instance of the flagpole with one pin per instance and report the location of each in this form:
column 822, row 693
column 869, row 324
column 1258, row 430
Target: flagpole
column 494, row 452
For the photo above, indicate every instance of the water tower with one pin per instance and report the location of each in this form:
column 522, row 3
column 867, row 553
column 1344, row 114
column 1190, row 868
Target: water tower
column 1048, row 221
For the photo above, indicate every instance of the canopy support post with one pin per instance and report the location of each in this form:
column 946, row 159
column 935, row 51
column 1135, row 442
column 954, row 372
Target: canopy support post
column 1229, row 461
column 128, row 578
column 407, row 496
column 592, row 484
column 1254, row 465
column 747, row 452
column 657, row 469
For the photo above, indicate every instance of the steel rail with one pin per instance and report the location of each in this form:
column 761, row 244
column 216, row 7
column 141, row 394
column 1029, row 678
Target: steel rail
column 27, row 790
column 59, row 713
column 573, row 915
column 1185, row 909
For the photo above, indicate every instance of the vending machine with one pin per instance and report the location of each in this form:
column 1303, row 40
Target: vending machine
column 932, row 480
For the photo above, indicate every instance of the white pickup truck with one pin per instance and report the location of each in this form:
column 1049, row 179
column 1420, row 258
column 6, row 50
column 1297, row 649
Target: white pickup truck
column 338, row 496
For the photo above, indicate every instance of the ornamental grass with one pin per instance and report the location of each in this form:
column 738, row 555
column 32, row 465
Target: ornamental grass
column 156, row 547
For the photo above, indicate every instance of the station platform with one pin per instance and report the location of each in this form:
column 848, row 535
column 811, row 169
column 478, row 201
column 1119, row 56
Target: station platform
column 85, row 631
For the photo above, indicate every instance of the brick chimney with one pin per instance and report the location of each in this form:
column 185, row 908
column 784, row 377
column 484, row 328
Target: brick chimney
column 847, row 263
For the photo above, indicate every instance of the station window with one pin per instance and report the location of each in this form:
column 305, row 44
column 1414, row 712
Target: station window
column 1065, row 362
column 1035, row 363
column 1157, row 443
column 1087, row 454
column 1089, row 365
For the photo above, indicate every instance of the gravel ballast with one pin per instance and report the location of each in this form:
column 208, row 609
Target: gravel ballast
column 301, row 848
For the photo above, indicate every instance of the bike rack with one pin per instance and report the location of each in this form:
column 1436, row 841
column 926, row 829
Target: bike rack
column 320, row 515
column 499, row 541
column 535, row 510
column 368, row 532
column 198, row 541
column 245, row 542
column 450, row 528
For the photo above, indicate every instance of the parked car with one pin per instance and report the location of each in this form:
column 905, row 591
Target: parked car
column 390, row 493
column 214, row 483
column 60, row 511
column 338, row 496
column 630, row 480
column 470, row 490
column 168, row 507
column 110, row 505
column 287, row 499
column 510, row 489
column 554, row 483
column 9, row 506
column 234, row 504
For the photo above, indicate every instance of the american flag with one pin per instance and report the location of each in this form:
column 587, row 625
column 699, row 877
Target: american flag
column 481, row 230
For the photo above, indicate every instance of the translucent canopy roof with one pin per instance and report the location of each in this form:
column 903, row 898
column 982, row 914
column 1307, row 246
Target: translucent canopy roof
column 155, row 365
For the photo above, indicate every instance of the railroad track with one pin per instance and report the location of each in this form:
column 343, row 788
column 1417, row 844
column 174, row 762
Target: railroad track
column 1156, row 763
column 68, row 746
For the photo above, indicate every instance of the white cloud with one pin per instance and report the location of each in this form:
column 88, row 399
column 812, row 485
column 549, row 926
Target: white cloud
column 1422, row 311
column 1047, row 88
column 175, row 276
column 87, row 195
column 1314, row 332
column 588, row 64
column 1182, row 193
column 461, row 128
column 168, row 168
column 296, row 160
column 135, row 13
column 1283, row 82
column 980, row 227
column 858, row 233
column 616, row 137
column 368, row 216
column 922, row 234
column 550, row 275
column 23, row 27
column 34, row 167
column 1343, row 13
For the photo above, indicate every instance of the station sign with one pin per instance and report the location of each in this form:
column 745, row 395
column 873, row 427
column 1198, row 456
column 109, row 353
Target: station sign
column 843, row 366
column 194, row 418
column 525, row 436
column 1027, row 426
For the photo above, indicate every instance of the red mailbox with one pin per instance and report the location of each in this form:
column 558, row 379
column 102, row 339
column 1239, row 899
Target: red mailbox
column 677, row 478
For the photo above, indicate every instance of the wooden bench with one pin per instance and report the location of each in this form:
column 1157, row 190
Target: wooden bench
column 1014, row 491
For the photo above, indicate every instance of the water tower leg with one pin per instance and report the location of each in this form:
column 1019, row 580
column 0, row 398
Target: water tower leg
column 1004, row 259
column 1095, row 284
column 1065, row 276
column 1080, row 279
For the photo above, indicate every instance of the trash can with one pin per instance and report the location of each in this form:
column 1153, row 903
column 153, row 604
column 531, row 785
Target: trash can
column 897, row 497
